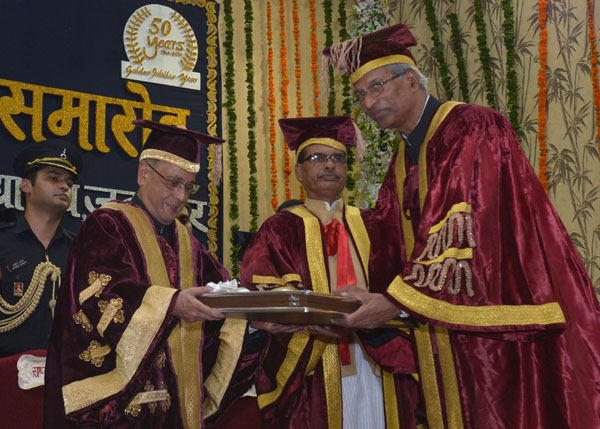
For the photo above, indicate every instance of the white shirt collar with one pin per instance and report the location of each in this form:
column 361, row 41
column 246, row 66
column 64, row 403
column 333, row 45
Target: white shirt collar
column 331, row 206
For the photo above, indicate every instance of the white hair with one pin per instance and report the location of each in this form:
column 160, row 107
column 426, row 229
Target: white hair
column 402, row 68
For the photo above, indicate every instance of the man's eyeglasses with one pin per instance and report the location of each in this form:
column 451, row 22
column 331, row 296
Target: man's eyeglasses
column 175, row 185
column 375, row 89
column 319, row 158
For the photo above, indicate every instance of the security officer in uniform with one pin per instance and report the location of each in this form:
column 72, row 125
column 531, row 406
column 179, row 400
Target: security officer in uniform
column 34, row 246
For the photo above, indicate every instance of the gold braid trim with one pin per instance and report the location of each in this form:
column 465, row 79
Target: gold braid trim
column 161, row 155
column 320, row 283
column 295, row 349
column 436, row 121
column 150, row 396
column 380, row 62
column 271, row 280
column 324, row 141
column 30, row 300
column 390, row 400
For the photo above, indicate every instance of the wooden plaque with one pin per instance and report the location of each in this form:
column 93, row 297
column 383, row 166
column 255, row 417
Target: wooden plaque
column 296, row 307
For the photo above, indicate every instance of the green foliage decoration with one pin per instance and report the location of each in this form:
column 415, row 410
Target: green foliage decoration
column 438, row 48
column 463, row 80
column 484, row 54
column 512, row 85
column 346, row 102
column 229, row 106
column 368, row 16
column 253, row 182
column 328, row 15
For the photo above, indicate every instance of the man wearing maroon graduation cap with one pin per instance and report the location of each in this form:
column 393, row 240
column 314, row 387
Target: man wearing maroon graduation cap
column 323, row 378
column 126, row 347
column 465, row 239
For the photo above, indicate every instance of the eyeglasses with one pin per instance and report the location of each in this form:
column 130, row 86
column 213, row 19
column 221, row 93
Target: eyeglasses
column 319, row 158
column 175, row 185
column 374, row 90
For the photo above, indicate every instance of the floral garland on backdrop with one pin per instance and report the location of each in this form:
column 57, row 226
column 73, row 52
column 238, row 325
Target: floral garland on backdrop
column 297, row 59
column 271, row 105
column 594, row 62
column 484, row 54
column 512, row 85
column 314, row 55
column 368, row 16
column 461, row 64
column 297, row 68
column 253, row 182
column 346, row 102
column 438, row 48
column 285, row 109
column 328, row 31
column 543, row 92
column 229, row 106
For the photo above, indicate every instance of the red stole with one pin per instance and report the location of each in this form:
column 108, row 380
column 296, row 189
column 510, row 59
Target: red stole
column 337, row 243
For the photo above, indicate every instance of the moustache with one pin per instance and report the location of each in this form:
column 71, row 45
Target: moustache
column 329, row 175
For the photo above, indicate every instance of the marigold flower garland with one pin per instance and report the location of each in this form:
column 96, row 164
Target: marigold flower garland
column 463, row 81
column 543, row 92
column 229, row 106
column 512, row 86
column 438, row 48
column 315, row 54
column 285, row 110
column 297, row 68
column 594, row 62
column 271, row 105
column 253, row 182
column 484, row 54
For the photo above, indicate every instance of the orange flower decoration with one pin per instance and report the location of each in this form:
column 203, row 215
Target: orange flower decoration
column 285, row 110
column 298, row 68
column 271, row 104
column 315, row 54
column 543, row 91
column 594, row 62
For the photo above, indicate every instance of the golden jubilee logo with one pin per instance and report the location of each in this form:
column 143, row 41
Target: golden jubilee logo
column 161, row 47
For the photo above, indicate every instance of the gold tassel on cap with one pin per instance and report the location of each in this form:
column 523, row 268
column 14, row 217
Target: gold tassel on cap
column 343, row 56
column 360, row 142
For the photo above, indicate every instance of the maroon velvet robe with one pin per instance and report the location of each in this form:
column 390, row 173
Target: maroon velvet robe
column 294, row 386
column 512, row 332
column 118, row 357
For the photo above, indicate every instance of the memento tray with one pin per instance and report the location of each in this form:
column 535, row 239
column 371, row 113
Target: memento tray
column 297, row 307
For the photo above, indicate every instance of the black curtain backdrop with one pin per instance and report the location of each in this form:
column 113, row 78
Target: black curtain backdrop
column 53, row 50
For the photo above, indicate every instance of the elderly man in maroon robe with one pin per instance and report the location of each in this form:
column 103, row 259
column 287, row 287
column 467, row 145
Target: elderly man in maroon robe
column 325, row 378
column 127, row 344
column 467, row 241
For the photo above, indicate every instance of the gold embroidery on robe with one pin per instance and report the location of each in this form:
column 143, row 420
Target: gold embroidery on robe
column 81, row 319
column 95, row 353
column 151, row 398
column 97, row 284
column 111, row 311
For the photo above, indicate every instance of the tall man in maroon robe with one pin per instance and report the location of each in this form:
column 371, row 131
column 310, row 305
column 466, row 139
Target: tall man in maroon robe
column 467, row 241
column 324, row 378
column 126, row 347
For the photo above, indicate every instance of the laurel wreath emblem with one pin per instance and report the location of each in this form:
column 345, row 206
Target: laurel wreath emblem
column 136, row 53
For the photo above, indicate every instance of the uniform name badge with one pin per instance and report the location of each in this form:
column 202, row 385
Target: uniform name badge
column 18, row 289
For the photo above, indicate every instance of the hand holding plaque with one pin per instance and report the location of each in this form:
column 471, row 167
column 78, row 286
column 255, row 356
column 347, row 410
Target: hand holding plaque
column 292, row 307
